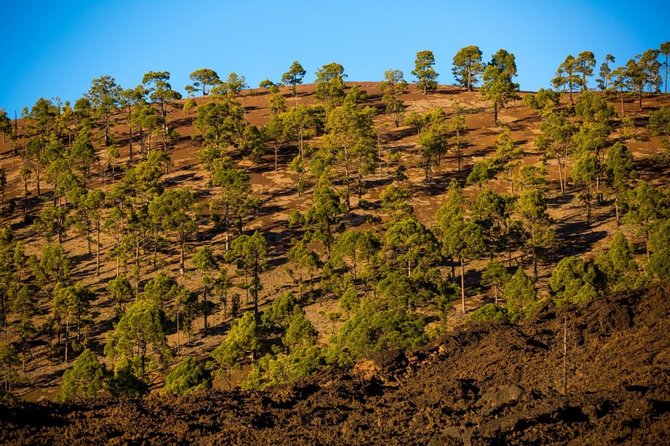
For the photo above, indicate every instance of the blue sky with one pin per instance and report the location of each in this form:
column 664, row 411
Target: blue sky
column 55, row 48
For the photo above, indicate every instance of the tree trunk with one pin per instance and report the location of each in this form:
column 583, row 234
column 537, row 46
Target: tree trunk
column 572, row 103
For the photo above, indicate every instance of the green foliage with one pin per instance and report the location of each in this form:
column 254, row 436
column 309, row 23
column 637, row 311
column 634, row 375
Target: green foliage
column 330, row 84
column 173, row 212
column 411, row 247
column 495, row 275
column 392, row 87
column 188, row 376
column 202, row 78
column 52, row 267
column 9, row 362
column 71, row 305
column 647, row 205
column 160, row 290
column 606, row 73
column 397, row 290
column 350, row 300
column 352, row 247
column 233, row 198
column 304, row 258
column 520, row 293
column 220, row 123
column 84, row 379
column 424, row 71
column 243, row 338
column 482, row 171
column 539, row 235
column 593, row 107
column 351, row 136
column 280, row 312
column 659, row 121
column 284, row 368
column 619, row 167
column 122, row 292
column 574, row 281
column 497, row 85
column 468, row 66
column 489, row 313
column 396, row 202
column 294, row 76
column 53, row 221
column 139, row 336
column 124, row 382
column 543, row 99
column 616, row 263
column 267, row 84
column 567, row 77
column 300, row 333
column 375, row 328
column 433, row 143
column 324, row 212
column 659, row 246
column 584, row 64
column 231, row 87
column 249, row 254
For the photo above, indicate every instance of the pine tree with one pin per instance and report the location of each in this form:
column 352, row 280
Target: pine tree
column 249, row 253
column 188, row 376
column 468, row 66
column 424, row 71
column 85, row 379
column 139, row 337
column 393, row 86
column 205, row 263
column 294, row 77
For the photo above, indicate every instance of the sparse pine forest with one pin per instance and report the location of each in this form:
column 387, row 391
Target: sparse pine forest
column 249, row 237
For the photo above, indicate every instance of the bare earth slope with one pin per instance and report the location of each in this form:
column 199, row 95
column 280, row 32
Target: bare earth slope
column 483, row 384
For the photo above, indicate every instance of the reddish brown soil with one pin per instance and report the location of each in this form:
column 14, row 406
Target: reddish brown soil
column 479, row 385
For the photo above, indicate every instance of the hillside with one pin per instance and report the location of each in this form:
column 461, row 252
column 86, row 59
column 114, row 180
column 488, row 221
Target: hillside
column 483, row 384
column 278, row 195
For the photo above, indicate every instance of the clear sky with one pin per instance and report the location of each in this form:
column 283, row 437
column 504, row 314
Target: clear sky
column 54, row 48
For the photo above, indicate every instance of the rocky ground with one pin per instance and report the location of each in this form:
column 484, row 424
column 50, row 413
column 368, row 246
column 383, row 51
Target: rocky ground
column 482, row 384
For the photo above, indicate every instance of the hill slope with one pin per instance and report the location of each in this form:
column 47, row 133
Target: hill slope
column 482, row 384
